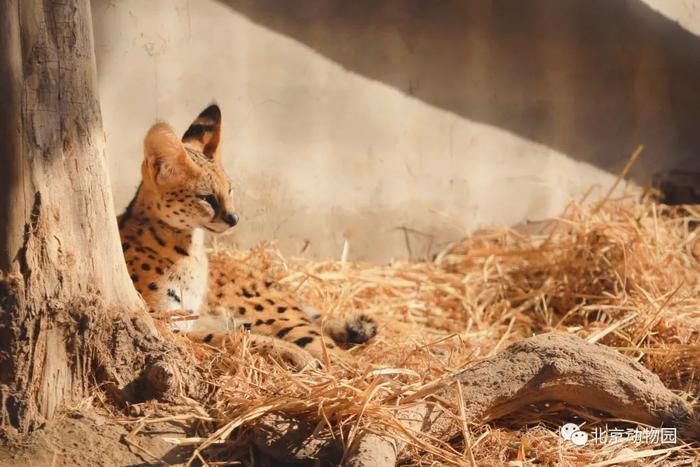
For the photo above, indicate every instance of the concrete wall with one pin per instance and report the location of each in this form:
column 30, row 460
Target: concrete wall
column 355, row 119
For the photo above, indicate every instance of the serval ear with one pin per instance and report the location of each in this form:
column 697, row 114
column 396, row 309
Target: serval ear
column 165, row 159
column 204, row 133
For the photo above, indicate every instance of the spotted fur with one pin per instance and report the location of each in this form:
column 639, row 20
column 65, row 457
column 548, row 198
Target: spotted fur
column 185, row 192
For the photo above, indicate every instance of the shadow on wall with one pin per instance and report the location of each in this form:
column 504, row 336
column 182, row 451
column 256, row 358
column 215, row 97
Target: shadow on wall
column 589, row 78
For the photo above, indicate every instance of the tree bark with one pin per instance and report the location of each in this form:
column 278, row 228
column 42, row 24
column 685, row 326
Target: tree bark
column 61, row 266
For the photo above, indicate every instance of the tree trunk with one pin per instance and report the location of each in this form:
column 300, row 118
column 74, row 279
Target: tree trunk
column 61, row 267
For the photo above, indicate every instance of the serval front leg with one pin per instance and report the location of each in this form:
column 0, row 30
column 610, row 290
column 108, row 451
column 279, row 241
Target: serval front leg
column 272, row 347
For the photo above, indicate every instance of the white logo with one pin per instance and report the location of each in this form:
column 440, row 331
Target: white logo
column 570, row 432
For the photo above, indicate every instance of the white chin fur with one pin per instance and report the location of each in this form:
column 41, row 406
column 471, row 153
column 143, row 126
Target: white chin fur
column 216, row 228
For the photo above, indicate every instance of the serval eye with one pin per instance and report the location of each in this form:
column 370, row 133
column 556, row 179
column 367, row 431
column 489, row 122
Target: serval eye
column 211, row 199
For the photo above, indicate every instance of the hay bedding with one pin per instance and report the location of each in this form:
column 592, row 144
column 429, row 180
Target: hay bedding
column 625, row 274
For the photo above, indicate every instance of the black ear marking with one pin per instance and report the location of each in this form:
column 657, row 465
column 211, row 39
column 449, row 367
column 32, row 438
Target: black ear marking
column 212, row 112
column 196, row 130
column 204, row 133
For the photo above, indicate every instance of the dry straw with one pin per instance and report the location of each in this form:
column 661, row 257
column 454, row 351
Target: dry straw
column 625, row 274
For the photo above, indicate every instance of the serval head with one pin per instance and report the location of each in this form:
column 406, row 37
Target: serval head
column 186, row 177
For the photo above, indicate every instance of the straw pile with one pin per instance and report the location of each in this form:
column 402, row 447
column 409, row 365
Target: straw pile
column 625, row 274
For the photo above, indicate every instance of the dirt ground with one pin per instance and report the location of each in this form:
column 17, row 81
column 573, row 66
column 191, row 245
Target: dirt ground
column 89, row 439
